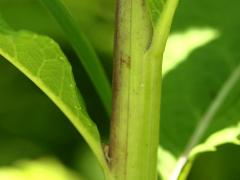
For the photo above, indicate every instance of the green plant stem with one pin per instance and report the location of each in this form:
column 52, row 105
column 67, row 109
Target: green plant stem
column 136, row 87
column 83, row 49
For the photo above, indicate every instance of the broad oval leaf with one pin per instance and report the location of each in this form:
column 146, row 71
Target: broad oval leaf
column 202, row 112
column 42, row 61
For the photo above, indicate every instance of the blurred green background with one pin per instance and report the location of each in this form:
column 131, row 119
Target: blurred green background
column 36, row 137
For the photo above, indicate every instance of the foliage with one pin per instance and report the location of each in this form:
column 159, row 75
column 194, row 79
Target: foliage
column 193, row 80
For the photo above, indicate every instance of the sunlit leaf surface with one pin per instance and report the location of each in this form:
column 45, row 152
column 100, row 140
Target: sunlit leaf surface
column 202, row 112
column 42, row 61
column 47, row 169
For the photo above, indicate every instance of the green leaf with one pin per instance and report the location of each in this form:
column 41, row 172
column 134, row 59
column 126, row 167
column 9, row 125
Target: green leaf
column 83, row 49
column 181, row 45
column 156, row 8
column 84, row 159
column 42, row 61
column 203, row 111
column 47, row 168
column 225, row 136
column 33, row 16
column 161, row 13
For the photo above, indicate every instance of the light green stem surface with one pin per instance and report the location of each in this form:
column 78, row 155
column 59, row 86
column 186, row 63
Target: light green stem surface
column 137, row 89
column 136, row 85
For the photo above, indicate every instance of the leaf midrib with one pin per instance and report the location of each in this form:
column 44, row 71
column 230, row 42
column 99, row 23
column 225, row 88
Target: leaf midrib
column 206, row 120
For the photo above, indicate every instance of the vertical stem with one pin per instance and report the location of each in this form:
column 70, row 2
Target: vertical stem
column 136, row 96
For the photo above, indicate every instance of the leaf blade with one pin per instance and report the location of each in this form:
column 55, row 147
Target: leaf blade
column 44, row 168
column 225, row 136
column 83, row 49
column 43, row 62
column 162, row 13
column 185, row 106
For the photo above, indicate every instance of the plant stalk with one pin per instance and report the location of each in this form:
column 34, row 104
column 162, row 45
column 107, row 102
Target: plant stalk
column 136, row 95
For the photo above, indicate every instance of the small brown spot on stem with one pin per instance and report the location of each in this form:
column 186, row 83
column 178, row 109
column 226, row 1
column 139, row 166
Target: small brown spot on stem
column 126, row 61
